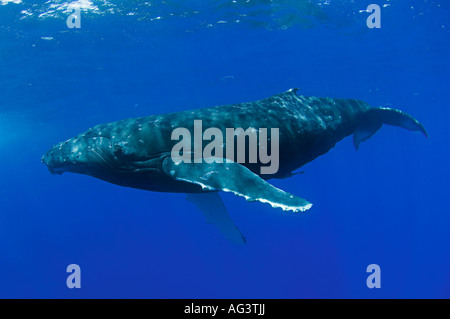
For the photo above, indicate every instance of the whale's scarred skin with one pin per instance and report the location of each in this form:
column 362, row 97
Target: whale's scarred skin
column 136, row 152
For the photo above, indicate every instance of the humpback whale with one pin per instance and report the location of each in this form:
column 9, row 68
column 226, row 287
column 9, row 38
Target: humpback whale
column 137, row 152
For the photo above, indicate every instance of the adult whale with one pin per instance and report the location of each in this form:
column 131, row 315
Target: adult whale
column 137, row 152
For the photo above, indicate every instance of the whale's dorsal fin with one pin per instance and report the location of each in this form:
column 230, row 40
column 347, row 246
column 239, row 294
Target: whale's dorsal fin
column 212, row 207
column 236, row 178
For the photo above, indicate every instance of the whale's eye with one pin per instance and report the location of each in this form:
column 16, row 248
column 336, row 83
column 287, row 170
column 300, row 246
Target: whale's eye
column 118, row 150
column 124, row 151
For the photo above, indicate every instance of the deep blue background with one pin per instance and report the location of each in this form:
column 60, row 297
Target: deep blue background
column 386, row 204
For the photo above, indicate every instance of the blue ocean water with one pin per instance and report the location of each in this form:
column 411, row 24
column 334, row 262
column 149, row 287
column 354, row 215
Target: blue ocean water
column 386, row 204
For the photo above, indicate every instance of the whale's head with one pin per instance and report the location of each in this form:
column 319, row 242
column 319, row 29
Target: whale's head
column 120, row 153
column 84, row 154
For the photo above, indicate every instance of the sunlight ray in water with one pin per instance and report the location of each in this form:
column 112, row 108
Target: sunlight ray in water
column 270, row 14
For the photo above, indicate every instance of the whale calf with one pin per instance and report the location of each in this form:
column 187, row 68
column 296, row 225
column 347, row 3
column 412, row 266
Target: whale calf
column 137, row 152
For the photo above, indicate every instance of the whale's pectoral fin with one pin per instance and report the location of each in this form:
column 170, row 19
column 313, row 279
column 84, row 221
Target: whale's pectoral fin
column 233, row 177
column 211, row 205
column 376, row 117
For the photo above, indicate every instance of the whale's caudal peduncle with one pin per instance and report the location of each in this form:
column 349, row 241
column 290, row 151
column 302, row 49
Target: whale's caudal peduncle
column 236, row 149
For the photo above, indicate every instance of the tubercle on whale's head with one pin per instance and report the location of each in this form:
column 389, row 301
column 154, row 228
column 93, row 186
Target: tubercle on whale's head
column 82, row 154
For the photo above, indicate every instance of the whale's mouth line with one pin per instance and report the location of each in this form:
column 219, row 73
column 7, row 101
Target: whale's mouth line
column 100, row 156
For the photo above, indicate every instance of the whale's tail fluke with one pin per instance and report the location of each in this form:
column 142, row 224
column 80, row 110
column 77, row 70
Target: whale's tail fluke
column 376, row 117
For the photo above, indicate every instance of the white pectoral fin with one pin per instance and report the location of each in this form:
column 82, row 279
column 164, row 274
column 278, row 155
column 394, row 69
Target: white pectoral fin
column 211, row 205
column 236, row 178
